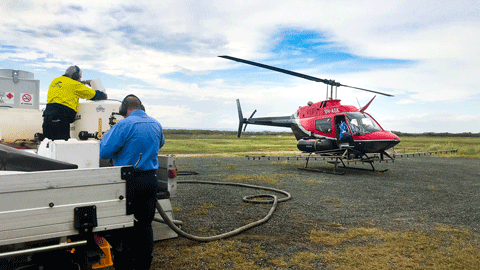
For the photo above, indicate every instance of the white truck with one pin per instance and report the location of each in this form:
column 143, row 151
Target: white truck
column 60, row 216
column 60, row 205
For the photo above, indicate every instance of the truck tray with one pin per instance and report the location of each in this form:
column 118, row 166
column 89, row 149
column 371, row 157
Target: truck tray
column 41, row 205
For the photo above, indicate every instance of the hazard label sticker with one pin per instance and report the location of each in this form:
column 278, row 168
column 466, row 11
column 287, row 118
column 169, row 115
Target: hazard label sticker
column 26, row 99
column 7, row 98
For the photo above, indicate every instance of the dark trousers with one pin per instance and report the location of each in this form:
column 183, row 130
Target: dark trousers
column 56, row 127
column 138, row 241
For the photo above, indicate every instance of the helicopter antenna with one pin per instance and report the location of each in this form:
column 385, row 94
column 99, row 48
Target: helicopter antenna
column 359, row 106
column 330, row 83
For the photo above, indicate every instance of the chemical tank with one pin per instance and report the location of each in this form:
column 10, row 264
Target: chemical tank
column 19, row 124
column 94, row 118
column 20, row 117
column 314, row 145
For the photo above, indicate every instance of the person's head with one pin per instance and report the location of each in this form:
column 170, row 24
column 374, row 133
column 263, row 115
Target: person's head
column 129, row 104
column 73, row 72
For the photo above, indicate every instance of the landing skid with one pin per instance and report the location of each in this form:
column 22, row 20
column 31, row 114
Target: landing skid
column 337, row 158
column 340, row 159
column 368, row 160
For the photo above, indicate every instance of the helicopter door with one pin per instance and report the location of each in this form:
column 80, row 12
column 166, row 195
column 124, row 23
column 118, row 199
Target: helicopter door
column 339, row 120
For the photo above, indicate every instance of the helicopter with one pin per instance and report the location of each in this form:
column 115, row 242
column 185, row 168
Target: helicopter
column 317, row 125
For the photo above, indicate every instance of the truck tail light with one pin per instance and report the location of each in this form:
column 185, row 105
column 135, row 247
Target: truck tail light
column 172, row 173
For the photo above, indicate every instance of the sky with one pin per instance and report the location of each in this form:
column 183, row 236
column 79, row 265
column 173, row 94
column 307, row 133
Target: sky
column 425, row 53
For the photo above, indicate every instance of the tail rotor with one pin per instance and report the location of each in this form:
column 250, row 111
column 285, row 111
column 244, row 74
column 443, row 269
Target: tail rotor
column 242, row 120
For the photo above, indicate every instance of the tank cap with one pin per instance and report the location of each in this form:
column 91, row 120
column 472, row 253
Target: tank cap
column 15, row 75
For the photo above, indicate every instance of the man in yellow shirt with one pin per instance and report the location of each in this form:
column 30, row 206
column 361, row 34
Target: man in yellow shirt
column 62, row 102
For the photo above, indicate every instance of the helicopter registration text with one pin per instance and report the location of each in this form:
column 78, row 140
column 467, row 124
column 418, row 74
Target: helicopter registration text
column 333, row 110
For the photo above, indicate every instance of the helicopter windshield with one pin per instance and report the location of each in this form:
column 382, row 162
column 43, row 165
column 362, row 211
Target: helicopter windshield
column 362, row 123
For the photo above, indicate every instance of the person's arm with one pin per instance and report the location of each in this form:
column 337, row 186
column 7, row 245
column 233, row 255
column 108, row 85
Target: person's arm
column 162, row 141
column 99, row 95
column 85, row 92
column 112, row 142
column 87, row 82
column 162, row 137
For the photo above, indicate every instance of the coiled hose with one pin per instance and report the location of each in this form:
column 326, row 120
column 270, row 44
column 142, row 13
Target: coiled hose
column 250, row 199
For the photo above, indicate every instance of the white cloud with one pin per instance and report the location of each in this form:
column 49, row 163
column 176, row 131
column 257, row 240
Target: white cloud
column 176, row 116
column 151, row 44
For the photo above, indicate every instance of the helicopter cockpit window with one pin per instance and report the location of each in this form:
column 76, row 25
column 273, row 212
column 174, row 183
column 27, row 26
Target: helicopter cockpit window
column 323, row 125
column 362, row 123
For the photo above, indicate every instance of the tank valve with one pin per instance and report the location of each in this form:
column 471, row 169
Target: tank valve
column 84, row 135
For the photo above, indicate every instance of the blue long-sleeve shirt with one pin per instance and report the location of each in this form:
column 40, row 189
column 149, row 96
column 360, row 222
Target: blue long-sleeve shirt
column 344, row 132
column 138, row 133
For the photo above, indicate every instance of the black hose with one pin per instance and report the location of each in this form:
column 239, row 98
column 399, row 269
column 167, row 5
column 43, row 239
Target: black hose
column 251, row 199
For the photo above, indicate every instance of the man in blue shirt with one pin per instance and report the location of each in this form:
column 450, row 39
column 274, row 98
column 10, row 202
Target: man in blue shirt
column 136, row 141
column 345, row 135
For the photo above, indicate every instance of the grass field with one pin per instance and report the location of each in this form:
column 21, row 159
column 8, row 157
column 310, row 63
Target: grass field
column 224, row 142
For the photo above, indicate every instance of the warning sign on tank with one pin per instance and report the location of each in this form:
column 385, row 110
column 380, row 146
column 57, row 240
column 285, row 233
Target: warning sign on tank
column 26, row 99
column 6, row 98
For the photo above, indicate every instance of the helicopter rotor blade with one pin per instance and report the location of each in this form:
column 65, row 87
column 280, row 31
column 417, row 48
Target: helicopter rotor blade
column 252, row 115
column 293, row 73
column 363, row 89
column 300, row 75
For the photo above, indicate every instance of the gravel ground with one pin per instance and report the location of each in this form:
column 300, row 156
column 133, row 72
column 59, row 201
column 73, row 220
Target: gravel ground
column 415, row 193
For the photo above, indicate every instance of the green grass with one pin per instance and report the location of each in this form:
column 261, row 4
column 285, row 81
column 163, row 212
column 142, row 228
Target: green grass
column 284, row 143
column 229, row 143
column 442, row 247
column 467, row 146
column 446, row 247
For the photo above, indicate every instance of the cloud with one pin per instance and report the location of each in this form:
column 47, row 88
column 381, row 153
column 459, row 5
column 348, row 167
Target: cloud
column 169, row 116
column 444, row 121
column 423, row 52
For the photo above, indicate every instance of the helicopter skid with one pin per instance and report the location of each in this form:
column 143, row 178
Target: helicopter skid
column 343, row 166
column 338, row 157
column 345, row 157
column 364, row 169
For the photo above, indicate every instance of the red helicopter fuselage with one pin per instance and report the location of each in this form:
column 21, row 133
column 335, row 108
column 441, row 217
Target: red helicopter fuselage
column 317, row 127
column 321, row 121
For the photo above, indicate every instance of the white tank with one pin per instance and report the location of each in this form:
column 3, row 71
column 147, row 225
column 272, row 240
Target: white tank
column 19, row 124
column 94, row 117
column 18, row 89
column 86, row 154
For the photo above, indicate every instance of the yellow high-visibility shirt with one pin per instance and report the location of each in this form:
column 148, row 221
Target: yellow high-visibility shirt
column 66, row 91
